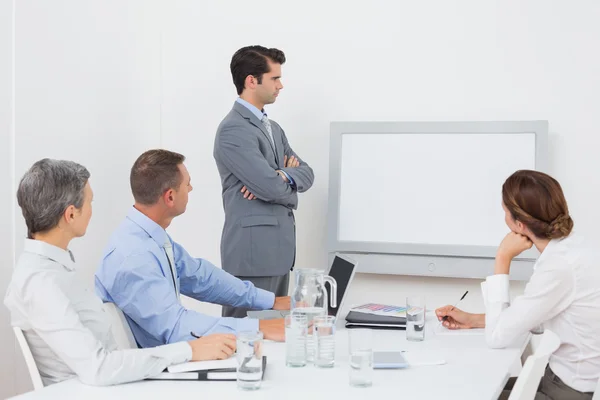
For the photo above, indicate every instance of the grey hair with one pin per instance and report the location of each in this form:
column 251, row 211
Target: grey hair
column 47, row 189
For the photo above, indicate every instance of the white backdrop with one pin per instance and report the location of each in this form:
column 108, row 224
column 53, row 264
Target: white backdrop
column 7, row 348
column 99, row 82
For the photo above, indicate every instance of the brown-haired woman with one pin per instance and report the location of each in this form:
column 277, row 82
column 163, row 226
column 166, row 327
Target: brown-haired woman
column 563, row 294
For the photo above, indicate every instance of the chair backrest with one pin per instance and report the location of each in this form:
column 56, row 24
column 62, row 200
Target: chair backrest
column 529, row 379
column 120, row 328
column 34, row 373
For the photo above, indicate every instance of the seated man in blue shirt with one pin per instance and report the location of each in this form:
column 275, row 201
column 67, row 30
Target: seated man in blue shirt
column 143, row 271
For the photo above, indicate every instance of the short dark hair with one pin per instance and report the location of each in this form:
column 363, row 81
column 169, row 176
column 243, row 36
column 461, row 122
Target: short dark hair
column 47, row 189
column 252, row 60
column 153, row 173
column 537, row 200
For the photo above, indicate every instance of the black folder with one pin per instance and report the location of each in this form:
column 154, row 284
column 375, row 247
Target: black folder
column 223, row 374
column 356, row 319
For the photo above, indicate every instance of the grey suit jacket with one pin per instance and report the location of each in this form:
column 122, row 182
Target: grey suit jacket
column 259, row 236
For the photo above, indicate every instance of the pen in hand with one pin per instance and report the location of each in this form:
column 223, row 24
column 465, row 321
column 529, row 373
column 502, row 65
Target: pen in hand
column 453, row 307
column 199, row 337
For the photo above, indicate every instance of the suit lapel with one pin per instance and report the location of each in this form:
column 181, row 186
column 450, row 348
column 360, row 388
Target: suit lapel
column 250, row 117
column 278, row 145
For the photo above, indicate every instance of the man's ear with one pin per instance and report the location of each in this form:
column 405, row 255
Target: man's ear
column 69, row 213
column 250, row 82
column 169, row 197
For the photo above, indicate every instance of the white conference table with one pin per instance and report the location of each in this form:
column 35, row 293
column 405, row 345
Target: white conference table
column 472, row 371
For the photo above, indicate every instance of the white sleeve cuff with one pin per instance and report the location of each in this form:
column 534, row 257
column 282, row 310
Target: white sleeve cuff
column 175, row 353
column 496, row 289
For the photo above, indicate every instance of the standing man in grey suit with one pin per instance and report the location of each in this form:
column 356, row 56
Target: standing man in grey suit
column 261, row 177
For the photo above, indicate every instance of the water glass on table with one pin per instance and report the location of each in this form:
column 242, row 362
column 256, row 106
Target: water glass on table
column 361, row 357
column 296, row 330
column 311, row 313
column 415, row 318
column 325, row 337
column 249, row 360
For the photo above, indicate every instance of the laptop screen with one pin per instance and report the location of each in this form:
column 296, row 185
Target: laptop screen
column 341, row 270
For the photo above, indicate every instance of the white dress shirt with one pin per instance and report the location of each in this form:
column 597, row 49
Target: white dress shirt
column 67, row 329
column 563, row 295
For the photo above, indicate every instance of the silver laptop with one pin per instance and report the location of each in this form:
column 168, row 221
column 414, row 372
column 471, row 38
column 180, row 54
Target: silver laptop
column 342, row 270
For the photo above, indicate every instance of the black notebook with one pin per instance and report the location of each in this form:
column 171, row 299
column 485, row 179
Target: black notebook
column 220, row 374
column 356, row 319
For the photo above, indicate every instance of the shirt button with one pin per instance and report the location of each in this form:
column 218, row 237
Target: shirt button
column 290, row 214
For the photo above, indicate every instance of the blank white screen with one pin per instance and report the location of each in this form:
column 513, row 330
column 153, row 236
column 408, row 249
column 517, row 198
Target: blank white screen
column 428, row 188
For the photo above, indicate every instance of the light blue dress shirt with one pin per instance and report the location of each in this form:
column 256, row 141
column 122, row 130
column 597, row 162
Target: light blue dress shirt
column 259, row 114
column 135, row 275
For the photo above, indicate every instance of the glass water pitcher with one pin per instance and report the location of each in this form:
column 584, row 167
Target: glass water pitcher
column 310, row 291
column 310, row 298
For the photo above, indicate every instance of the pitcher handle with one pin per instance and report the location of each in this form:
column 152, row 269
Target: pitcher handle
column 333, row 283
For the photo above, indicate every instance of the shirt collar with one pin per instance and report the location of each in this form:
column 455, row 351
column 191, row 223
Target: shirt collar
column 258, row 113
column 154, row 230
column 551, row 247
column 63, row 257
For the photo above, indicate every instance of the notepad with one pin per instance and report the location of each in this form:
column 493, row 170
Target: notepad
column 442, row 330
column 217, row 375
column 231, row 362
column 222, row 370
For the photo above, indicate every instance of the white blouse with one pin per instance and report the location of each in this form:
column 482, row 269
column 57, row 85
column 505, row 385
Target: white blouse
column 563, row 295
column 67, row 329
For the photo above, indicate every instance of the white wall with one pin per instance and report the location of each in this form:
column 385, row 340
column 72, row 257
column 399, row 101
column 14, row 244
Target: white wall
column 468, row 60
column 99, row 82
column 7, row 341
column 87, row 89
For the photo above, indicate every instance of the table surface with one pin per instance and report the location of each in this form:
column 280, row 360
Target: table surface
column 472, row 371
